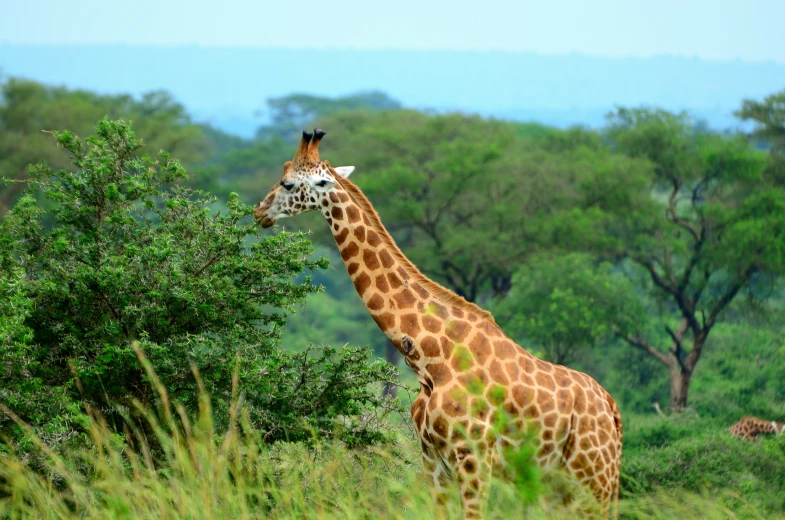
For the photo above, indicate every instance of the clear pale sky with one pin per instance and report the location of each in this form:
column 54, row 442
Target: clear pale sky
column 710, row 29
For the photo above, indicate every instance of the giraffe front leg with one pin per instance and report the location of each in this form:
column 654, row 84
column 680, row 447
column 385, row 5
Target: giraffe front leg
column 473, row 471
column 438, row 479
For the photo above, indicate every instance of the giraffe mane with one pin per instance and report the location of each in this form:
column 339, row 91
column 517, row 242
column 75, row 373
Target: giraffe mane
column 442, row 293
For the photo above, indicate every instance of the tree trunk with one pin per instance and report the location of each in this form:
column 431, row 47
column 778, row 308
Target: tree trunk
column 681, row 372
column 392, row 356
column 680, row 387
column 680, row 367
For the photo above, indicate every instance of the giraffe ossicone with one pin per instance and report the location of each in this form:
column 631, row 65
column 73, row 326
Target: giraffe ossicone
column 471, row 374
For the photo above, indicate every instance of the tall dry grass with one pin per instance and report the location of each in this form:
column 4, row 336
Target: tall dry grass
column 171, row 466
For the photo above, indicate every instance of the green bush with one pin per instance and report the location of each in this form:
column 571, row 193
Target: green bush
column 642, row 432
column 744, row 374
column 132, row 257
column 695, row 455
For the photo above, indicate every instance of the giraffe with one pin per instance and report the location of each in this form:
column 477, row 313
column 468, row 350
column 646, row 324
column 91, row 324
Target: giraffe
column 471, row 374
column 751, row 427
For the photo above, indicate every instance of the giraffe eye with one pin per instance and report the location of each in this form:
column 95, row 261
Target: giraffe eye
column 322, row 183
column 287, row 185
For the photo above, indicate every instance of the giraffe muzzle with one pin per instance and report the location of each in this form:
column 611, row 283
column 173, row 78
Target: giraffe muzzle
column 267, row 222
column 259, row 215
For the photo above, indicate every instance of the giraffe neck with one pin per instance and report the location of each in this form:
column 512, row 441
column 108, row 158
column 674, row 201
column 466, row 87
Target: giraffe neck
column 402, row 301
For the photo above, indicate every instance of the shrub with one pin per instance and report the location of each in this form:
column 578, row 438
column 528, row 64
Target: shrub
column 709, row 460
column 126, row 255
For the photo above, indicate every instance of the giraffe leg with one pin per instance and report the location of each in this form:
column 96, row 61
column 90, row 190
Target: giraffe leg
column 438, row 480
column 474, row 478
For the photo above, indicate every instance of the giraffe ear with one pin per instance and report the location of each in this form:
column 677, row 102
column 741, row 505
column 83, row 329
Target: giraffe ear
column 344, row 171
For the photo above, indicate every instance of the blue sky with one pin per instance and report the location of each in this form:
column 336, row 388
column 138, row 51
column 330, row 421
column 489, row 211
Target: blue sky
column 710, row 29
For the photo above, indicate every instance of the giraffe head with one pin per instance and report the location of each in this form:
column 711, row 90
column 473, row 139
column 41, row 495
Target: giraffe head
column 306, row 181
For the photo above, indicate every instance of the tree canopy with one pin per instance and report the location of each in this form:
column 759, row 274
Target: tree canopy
column 769, row 119
column 29, row 109
column 689, row 218
column 289, row 113
column 707, row 224
column 568, row 303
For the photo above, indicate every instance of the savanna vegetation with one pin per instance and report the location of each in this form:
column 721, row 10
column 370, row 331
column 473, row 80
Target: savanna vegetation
column 163, row 357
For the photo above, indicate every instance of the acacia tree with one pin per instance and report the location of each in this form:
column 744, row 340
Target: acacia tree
column 708, row 224
column 567, row 303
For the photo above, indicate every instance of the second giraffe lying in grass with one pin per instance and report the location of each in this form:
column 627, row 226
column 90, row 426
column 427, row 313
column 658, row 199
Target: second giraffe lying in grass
column 751, row 427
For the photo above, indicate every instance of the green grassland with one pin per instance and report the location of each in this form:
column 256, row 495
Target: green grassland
column 181, row 467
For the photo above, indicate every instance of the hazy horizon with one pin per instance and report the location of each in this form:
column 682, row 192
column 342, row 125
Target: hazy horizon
column 264, row 47
column 228, row 86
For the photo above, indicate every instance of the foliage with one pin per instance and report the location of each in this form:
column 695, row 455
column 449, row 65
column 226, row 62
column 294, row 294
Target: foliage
column 769, row 118
column 741, row 374
column 28, row 108
column 21, row 385
column 323, row 392
column 713, row 227
column 289, row 113
column 240, row 168
column 472, row 199
column 710, row 460
column 744, row 375
column 129, row 259
column 568, row 303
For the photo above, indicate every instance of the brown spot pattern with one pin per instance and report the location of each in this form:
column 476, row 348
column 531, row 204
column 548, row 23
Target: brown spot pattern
column 373, row 239
column 370, row 260
column 361, row 283
column 353, row 215
column 350, row 251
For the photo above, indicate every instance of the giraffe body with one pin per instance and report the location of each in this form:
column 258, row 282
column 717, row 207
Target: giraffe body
column 751, row 427
column 472, row 377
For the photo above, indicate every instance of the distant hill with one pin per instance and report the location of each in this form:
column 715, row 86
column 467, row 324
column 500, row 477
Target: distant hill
column 228, row 86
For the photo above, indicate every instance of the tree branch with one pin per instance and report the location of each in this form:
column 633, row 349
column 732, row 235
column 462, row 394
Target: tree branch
column 673, row 217
column 676, row 348
column 655, row 276
column 727, row 298
column 694, row 259
column 708, row 323
column 205, row 266
column 686, row 308
column 700, row 288
column 667, row 266
column 640, row 344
